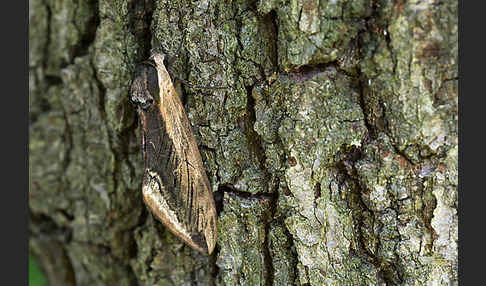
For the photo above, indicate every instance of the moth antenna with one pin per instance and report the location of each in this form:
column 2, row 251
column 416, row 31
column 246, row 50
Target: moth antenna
column 150, row 63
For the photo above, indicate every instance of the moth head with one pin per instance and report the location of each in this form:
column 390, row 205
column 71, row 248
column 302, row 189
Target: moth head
column 145, row 86
column 158, row 58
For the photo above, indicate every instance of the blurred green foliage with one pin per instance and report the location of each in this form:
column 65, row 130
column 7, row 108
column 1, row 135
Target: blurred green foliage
column 36, row 277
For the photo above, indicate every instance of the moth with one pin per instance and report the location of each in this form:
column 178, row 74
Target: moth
column 175, row 186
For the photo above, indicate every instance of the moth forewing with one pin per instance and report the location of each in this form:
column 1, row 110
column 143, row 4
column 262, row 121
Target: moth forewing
column 175, row 186
column 161, row 209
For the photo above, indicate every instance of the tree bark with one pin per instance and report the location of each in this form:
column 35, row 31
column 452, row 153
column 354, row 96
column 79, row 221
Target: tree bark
column 328, row 130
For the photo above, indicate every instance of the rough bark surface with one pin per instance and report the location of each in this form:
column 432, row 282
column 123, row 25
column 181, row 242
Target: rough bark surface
column 328, row 130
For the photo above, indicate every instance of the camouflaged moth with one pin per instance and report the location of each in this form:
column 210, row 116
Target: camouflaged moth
column 175, row 186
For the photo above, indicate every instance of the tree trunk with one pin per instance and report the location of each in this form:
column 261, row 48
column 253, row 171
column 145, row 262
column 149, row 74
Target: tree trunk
column 328, row 130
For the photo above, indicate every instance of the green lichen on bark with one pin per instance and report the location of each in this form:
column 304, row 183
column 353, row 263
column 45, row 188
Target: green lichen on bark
column 314, row 32
column 162, row 259
column 330, row 128
column 82, row 177
column 242, row 259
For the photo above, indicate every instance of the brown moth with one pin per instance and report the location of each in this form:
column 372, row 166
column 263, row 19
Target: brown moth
column 175, row 186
